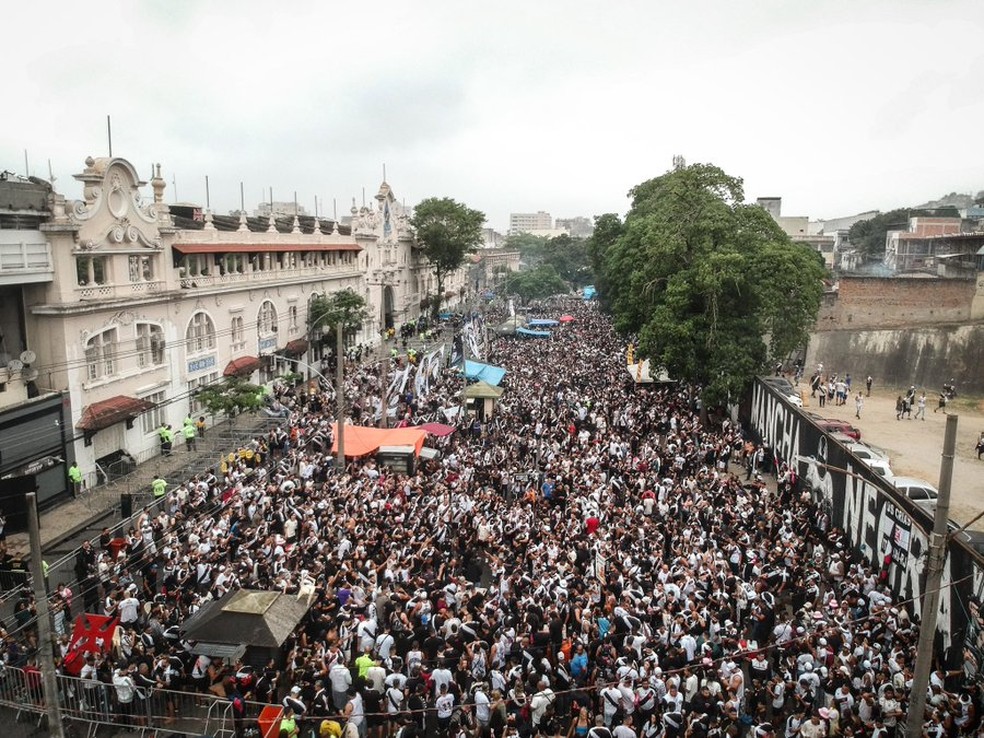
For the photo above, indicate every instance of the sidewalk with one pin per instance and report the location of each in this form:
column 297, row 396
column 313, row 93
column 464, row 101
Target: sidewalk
column 102, row 503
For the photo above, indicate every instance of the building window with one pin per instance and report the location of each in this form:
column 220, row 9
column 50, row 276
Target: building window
column 150, row 345
column 194, row 405
column 154, row 419
column 141, row 268
column 267, row 318
column 91, row 270
column 100, row 355
column 200, row 335
column 292, row 318
column 238, row 333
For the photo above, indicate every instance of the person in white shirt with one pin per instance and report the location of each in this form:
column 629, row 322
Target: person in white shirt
column 625, row 730
column 444, row 705
column 129, row 610
column 341, row 679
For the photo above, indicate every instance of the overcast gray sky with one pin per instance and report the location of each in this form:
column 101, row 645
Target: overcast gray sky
column 837, row 107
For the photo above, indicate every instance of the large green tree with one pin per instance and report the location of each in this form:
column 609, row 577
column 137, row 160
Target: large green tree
column 607, row 231
column 533, row 284
column 868, row 236
column 231, row 396
column 714, row 288
column 326, row 311
column 446, row 232
column 569, row 257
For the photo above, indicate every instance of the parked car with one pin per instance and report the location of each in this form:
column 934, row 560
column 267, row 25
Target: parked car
column 919, row 491
column 830, row 425
column 864, row 452
column 880, row 467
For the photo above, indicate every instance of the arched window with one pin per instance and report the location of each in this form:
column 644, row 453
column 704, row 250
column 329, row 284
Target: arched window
column 150, row 345
column 200, row 335
column 266, row 320
column 238, row 333
column 100, row 354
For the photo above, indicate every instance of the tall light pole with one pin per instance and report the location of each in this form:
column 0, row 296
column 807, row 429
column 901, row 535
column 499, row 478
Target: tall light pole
column 931, row 593
column 45, row 642
column 340, row 397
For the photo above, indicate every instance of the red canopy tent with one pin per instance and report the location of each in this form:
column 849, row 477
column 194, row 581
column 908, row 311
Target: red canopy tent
column 437, row 429
column 566, row 318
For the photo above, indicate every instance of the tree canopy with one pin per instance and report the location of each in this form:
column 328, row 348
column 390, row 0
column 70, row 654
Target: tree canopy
column 533, row 284
column 446, row 232
column 230, row 397
column 346, row 306
column 713, row 287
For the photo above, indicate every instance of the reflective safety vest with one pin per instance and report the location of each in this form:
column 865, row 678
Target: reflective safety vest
column 160, row 487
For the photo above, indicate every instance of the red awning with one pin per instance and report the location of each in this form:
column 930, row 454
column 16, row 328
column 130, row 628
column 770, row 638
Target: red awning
column 297, row 347
column 242, row 367
column 109, row 412
column 252, row 248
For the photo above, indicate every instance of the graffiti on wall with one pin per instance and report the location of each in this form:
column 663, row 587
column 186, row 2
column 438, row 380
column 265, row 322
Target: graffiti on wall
column 880, row 528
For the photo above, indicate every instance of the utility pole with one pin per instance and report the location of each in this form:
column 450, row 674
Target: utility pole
column 931, row 593
column 45, row 642
column 384, row 372
column 340, row 394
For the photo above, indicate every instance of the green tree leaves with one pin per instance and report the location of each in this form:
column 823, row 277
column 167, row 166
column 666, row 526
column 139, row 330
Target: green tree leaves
column 446, row 231
column 346, row 306
column 231, row 397
column 534, row 284
column 715, row 290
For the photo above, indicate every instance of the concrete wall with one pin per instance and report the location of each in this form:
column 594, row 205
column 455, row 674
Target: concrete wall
column 894, row 302
column 925, row 356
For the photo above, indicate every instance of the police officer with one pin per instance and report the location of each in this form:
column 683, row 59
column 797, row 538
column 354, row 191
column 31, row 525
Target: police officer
column 159, row 485
column 75, row 477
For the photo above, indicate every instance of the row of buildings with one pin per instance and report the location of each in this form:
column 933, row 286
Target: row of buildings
column 941, row 246
column 116, row 308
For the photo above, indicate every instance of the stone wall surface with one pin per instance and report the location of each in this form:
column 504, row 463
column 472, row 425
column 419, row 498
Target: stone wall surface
column 924, row 356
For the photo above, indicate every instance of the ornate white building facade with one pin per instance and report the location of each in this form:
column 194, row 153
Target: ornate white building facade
column 147, row 305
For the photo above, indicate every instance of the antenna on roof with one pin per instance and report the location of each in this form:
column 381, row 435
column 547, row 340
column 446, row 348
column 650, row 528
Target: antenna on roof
column 208, row 198
column 109, row 134
column 384, row 171
column 174, row 185
column 315, row 206
column 27, row 169
column 51, row 174
column 242, row 198
column 363, row 197
column 334, row 209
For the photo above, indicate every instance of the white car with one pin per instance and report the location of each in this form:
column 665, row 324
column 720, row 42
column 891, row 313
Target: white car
column 919, row 491
column 864, row 452
column 795, row 399
column 879, row 467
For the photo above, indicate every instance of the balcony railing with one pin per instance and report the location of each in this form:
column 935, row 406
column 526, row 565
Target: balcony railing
column 118, row 291
column 205, row 281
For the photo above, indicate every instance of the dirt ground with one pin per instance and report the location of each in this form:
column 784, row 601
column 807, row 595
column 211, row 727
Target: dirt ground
column 915, row 446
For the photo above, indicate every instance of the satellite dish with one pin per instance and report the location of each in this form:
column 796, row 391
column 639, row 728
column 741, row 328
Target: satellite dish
column 14, row 366
column 30, row 375
column 28, row 357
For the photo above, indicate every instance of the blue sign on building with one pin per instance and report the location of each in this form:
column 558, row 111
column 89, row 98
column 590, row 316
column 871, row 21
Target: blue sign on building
column 200, row 365
column 268, row 345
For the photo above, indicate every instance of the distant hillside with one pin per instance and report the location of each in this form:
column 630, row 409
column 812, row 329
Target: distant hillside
column 954, row 200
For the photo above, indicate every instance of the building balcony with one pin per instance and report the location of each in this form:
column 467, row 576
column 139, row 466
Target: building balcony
column 261, row 276
column 24, row 258
column 87, row 292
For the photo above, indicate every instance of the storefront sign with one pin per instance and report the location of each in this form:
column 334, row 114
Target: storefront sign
column 200, row 365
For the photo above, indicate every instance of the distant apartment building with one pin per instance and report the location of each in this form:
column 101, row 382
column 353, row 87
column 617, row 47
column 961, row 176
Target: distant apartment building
column 800, row 229
column 922, row 243
column 578, row 226
column 278, row 209
column 530, row 222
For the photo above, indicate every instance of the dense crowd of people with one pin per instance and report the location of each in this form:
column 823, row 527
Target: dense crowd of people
column 593, row 560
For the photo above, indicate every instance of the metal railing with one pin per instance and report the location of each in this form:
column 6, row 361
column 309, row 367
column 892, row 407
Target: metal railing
column 89, row 704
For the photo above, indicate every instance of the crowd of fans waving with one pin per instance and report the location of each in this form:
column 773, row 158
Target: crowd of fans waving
column 592, row 560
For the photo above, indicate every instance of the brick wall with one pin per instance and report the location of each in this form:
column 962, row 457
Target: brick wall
column 895, row 302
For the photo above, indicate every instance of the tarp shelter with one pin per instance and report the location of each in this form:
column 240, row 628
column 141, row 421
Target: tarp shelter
column 477, row 371
column 589, row 292
column 483, row 390
column 362, row 440
column 437, row 429
column 484, row 395
column 640, row 373
column 261, row 621
column 532, row 334
column 510, row 326
column 543, row 323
